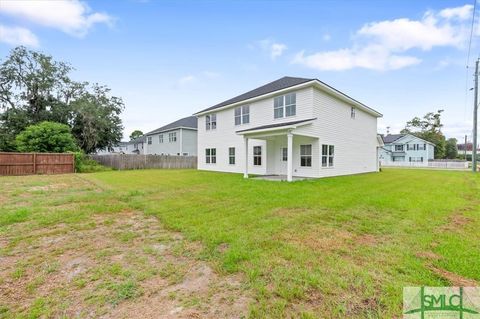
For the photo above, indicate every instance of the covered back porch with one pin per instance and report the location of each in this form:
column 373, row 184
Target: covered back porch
column 286, row 155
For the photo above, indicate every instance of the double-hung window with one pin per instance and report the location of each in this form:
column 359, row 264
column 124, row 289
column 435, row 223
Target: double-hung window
column 149, row 140
column 160, row 138
column 242, row 115
column 328, row 152
column 210, row 155
column 399, row 148
column 231, row 155
column 211, row 122
column 352, row 113
column 285, row 105
column 172, row 137
column 306, row 155
column 257, row 155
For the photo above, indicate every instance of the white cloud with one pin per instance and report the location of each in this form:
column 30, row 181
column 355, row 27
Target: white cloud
column 73, row 17
column 18, row 36
column 186, row 79
column 383, row 45
column 326, row 37
column 211, row 74
column 274, row 49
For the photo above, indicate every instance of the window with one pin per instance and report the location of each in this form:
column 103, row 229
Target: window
column 285, row 105
column 210, row 155
column 398, row 148
column 327, row 155
column 306, row 155
column 242, row 115
column 415, row 159
column 284, row 154
column 211, row 122
column 231, row 155
column 172, row 137
column 160, row 138
column 352, row 112
column 421, row 147
column 149, row 140
column 257, row 155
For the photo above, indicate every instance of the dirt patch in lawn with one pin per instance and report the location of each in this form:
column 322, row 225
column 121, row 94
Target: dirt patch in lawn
column 121, row 265
column 454, row 278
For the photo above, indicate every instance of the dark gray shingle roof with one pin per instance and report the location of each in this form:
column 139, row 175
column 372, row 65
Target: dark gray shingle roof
column 190, row 122
column 279, row 84
column 275, row 125
column 390, row 138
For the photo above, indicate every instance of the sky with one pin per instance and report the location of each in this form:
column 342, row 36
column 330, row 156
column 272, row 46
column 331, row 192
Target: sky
column 170, row 59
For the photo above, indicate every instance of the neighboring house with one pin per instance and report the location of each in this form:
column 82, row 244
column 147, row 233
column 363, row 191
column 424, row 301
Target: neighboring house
column 134, row 146
column 466, row 150
column 291, row 126
column 405, row 148
column 177, row 138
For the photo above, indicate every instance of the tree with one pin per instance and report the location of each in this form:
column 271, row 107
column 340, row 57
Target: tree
column 135, row 134
column 35, row 88
column 46, row 137
column 451, row 150
column 428, row 128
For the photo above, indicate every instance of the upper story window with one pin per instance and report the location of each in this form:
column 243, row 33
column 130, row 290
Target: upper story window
column 149, row 140
column 352, row 113
column 160, row 138
column 285, row 105
column 172, row 137
column 399, row 148
column 242, row 115
column 211, row 122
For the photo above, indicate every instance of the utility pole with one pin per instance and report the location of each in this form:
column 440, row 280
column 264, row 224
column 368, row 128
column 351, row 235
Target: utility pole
column 475, row 109
column 465, row 147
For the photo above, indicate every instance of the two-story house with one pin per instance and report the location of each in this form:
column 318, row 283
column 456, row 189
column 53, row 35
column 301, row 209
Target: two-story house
column 177, row 138
column 405, row 148
column 289, row 127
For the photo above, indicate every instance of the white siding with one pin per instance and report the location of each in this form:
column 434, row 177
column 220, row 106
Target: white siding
column 355, row 140
column 186, row 143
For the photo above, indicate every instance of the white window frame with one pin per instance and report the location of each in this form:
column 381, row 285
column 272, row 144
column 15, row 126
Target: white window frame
column 328, row 156
column 231, row 156
column 284, row 104
column 242, row 115
column 284, row 154
column 257, row 157
column 149, row 140
column 353, row 113
column 402, row 148
column 172, row 137
column 211, row 122
column 304, row 155
column 210, row 156
column 160, row 138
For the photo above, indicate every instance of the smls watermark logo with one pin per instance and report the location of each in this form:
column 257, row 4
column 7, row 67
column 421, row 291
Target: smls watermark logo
column 441, row 302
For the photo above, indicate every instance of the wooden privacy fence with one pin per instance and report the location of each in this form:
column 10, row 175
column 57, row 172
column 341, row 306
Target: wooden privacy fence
column 36, row 163
column 134, row 161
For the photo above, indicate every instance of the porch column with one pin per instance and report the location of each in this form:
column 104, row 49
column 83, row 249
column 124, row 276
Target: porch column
column 289, row 156
column 245, row 144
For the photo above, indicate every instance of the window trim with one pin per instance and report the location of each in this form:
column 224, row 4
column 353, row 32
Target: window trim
column 172, row 137
column 284, row 105
column 241, row 115
column 329, row 155
column 306, row 156
column 211, row 122
column 209, row 156
column 160, row 139
column 353, row 113
column 257, row 156
column 231, row 156
column 284, row 154
column 149, row 140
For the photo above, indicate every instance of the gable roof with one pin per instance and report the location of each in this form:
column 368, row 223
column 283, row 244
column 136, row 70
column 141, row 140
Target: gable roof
column 390, row 138
column 276, row 85
column 187, row 122
column 283, row 84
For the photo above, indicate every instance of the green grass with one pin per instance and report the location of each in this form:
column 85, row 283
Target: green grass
column 335, row 247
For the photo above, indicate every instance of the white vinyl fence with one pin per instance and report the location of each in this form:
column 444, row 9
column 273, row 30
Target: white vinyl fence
column 429, row 164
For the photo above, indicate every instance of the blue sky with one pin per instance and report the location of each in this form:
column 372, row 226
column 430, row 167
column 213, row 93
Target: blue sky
column 169, row 59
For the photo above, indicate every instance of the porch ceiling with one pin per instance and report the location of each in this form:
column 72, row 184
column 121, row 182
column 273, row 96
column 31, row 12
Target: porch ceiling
column 275, row 129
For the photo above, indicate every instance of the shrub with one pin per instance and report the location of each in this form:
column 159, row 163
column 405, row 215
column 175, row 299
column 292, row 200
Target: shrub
column 84, row 164
column 46, row 137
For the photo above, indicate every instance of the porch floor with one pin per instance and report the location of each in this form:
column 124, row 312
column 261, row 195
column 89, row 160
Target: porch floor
column 279, row 178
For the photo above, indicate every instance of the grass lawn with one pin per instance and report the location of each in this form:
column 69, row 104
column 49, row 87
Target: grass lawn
column 337, row 247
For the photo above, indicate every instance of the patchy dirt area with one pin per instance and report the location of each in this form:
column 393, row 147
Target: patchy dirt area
column 111, row 265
